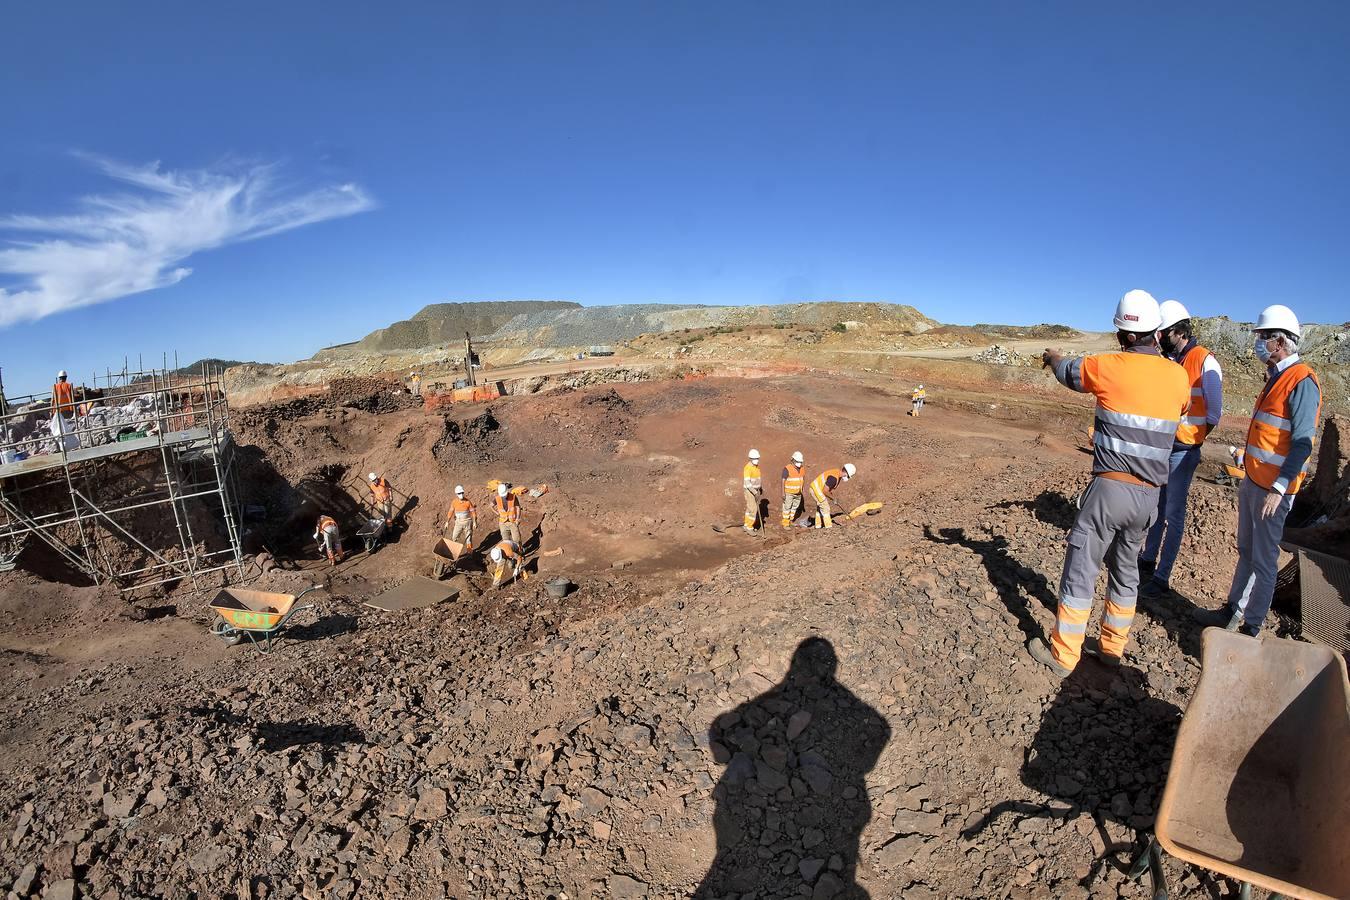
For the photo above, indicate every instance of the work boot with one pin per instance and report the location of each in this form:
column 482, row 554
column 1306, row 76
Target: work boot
column 1041, row 652
column 1249, row 630
column 1224, row 617
column 1154, row 589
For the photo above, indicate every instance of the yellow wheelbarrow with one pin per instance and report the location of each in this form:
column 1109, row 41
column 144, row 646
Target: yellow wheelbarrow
column 256, row 615
column 444, row 556
column 1259, row 786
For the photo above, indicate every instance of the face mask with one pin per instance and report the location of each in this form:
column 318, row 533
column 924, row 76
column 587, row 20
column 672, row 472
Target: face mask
column 1261, row 350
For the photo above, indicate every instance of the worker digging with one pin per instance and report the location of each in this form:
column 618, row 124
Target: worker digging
column 508, row 562
column 1141, row 399
column 329, row 538
column 822, row 491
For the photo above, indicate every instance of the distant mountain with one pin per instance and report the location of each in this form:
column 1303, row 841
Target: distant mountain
column 444, row 323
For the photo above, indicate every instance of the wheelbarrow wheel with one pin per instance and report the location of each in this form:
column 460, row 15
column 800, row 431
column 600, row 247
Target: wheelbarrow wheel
column 226, row 632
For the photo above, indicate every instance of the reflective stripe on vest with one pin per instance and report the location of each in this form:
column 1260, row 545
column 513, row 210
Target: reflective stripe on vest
column 750, row 477
column 380, row 489
column 325, row 523
column 819, row 490
column 508, row 508
column 1194, row 427
column 795, row 480
column 510, row 549
column 1270, row 437
column 462, row 509
column 1140, row 400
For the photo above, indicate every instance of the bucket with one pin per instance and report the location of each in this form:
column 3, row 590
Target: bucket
column 558, row 588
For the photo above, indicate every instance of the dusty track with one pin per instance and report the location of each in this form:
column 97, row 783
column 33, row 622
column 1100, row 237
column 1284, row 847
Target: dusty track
column 651, row 735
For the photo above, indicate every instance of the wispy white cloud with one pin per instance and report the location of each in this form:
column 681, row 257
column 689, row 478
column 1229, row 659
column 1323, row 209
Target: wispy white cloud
column 136, row 240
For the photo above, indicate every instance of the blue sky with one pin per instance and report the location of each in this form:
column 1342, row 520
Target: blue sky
column 324, row 169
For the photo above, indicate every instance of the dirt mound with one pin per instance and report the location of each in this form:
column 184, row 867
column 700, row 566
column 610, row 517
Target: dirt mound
column 474, row 436
column 442, row 323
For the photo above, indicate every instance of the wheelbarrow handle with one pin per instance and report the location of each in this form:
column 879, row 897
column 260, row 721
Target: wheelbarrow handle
column 312, row 587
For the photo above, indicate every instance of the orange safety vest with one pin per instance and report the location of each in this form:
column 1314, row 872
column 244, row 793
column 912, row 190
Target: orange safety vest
column 63, row 397
column 381, row 490
column 1141, row 398
column 1194, row 428
column 1270, row 436
column 793, row 483
column 510, row 550
column 462, row 510
column 818, row 487
column 750, row 478
column 326, row 522
column 508, row 508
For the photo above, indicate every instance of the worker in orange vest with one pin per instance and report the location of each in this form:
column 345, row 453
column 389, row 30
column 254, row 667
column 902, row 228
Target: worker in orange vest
column 460, row 519
column 329, row 538
column 1280, row 443
column 1141, row 397
column 507, row 504
column 792, row 480
column 382, row 497
column 1177, row 341
column 507, row 554
column 753, row 485
column 63, row 395
column 822, row 491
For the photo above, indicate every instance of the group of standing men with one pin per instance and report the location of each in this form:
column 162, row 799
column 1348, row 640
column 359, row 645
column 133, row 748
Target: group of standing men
column 1157, row 400
column 792, row 484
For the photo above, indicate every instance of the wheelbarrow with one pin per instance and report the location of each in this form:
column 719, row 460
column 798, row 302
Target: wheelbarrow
column 256, row 615
column 1259, row 787
column 372, row 533
column 444, row 556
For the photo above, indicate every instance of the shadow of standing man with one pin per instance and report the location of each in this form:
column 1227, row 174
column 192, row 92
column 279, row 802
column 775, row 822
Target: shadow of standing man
column 792, row 801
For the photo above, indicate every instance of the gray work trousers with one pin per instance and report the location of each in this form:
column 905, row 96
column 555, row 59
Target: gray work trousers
column 1258, row 563
column 1109, row 528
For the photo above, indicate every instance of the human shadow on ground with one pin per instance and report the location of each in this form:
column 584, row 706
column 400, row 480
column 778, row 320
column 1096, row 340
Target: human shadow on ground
column 792, row 801
column 1103, row 748
column 322, row 628
column 1006, row 574
column 1051, row 507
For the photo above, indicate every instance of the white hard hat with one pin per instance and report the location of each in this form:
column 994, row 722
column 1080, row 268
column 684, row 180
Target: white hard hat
column 61, row 374
column 920, row 387
column 372, row 476
column 459, row 489
column 501, row 489
column 754, row 454
column 1172, row 312
column 1281, row 317
column 798, row 458
column 850, row 469
column 496, row 554
column 1137, row 311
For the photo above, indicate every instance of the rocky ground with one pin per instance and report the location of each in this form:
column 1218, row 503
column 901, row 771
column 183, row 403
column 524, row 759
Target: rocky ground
column 812, row 714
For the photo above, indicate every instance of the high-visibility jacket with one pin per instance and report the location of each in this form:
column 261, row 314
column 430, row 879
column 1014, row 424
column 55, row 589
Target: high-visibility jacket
column 63, row 397
column 1270, row 436
column 461, row 510
column 1141, row 398
column 826, row 482
column 794, row 478
column 510, row 550
column 750, row 477
column 508, row 508
column 325, row 523
column 1194, row 427
column 918, row 394
column 381, row 491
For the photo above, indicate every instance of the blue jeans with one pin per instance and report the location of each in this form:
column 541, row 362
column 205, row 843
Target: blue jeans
column 1167, row 529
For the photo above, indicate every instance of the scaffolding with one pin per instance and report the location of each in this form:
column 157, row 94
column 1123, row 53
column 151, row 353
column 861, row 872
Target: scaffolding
column 102, row 480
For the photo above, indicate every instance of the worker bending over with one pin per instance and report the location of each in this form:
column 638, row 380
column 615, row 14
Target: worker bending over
column 507, row 554
column 507, row 504
column 793, row 482
column 753, row 485
column 822, row 490
column 460, row 519
column 1141, row 398
column 1177, row 341
column 329, row 538
column 382, row 497
column 1279, row 444
column 916, row 398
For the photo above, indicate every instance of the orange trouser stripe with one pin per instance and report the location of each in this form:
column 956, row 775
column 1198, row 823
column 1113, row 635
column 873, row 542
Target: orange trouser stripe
column 1070, row 626
column 1116, row 622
